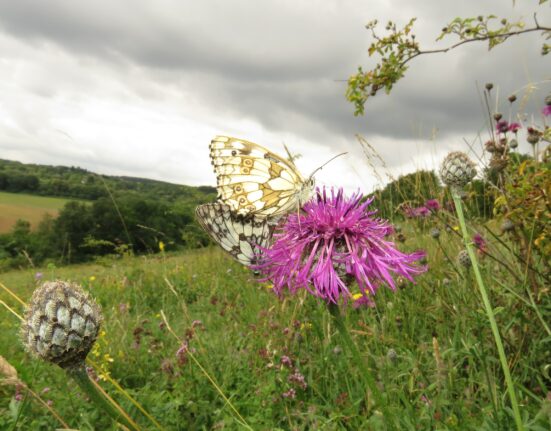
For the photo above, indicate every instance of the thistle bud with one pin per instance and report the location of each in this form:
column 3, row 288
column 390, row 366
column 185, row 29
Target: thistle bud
column 463, row 259
column 435, row 233
column 489, row 86
column 61, row 324
column 507, row 225
column 457, row 169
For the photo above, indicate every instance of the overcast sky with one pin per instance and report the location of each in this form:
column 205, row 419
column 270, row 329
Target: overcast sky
column 139, row 88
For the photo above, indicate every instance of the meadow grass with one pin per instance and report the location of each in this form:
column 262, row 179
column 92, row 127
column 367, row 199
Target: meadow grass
column 15, row 206
column 280, row 362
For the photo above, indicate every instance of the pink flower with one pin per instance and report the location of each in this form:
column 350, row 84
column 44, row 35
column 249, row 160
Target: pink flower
column 546, row 110
column 513, row 127
column 432, row 204
column 502, row 126
column 479, row 242
column 336, row 240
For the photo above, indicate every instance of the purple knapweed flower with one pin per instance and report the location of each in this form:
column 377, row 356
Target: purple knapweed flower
column 432, row 204
column 502, row 126
column 479, row 242
column 422, row 212
column 546, row 110
column 38, row 276
column 514, row 127
column 334, row 241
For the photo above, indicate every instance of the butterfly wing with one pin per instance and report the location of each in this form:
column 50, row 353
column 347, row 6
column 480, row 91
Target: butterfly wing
column 252, row 180
column 239, row 235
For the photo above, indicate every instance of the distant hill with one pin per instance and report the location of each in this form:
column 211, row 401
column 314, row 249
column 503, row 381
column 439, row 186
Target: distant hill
column 79, row 183
column 69, row 214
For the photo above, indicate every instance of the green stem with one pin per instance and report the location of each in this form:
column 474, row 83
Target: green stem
column 80, row 376
column 367, row 377
column 489, row 313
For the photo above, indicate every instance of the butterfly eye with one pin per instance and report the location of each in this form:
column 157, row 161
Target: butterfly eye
column 234, row 153
column 238, row 189
column 247, row 162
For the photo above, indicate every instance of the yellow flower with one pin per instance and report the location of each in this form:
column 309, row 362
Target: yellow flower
column 161, row 246
column 455, row 228
column 357, row 296
column 92, row 278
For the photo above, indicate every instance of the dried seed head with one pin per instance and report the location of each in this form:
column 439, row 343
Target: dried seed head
column 512, row 98
column 457, row 169
column 463, row 259
column 61, row 324
column 489, row 86
column 513, row 143
column 498, row 116
column 548, row 100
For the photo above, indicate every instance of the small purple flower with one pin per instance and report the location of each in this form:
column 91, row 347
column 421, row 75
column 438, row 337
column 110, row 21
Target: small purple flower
column 422, row 212
column 38, row 276
column 286, row 361
column 546, row 110
column 335, row 240
column 479, row 242
column 514, row 127
column 502, row 126
column 291, row 393
column 433, row 205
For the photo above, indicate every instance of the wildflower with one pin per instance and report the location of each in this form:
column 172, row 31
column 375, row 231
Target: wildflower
column 286, row 361
column 291, row 393
column 161, row 246
column 335, row 240
column 422, row 212
column 38, row 276
column 298, row 379
column 546, row 110
column 479, row 242
column 392, row 355
column 502, row 126
column 362, row 300
column 513, row 127
column 432, row 204
column 93, row 278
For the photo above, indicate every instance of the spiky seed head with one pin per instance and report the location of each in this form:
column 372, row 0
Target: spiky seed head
column 507, row 225
column 61, row 323
column 498, row 116
column 463, row 259
column 435, row 233
column 457, row 169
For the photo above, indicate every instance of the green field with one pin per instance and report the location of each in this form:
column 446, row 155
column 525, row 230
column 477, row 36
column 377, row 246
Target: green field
column 14, row 206
column 428, row 345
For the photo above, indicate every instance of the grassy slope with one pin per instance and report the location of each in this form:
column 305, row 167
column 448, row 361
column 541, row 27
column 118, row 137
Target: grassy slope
column 245, row 331
column 14, row 206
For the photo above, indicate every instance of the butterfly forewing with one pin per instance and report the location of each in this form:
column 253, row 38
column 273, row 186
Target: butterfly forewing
column 241, row 236
column 252, row 180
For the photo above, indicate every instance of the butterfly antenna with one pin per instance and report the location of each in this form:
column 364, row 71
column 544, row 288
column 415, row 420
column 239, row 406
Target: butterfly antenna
column 327, row 162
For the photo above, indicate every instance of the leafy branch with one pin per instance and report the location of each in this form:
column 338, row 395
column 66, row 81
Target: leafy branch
column 398, row 47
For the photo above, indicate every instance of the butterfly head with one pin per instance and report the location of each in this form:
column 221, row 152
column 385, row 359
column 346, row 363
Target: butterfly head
column 307, row 190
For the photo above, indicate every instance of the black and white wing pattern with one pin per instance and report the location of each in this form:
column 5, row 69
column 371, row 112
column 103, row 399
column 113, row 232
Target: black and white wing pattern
column 239, row 235
column 254, row 181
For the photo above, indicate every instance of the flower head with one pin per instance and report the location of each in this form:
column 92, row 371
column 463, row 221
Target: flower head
column 432, row 204
column 513, row 127
column 502, row 126
column 335, row 241
column 479, row 242
column 546, row 110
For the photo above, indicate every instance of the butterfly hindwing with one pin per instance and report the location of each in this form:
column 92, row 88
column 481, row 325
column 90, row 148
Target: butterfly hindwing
column 252, row 180
column 239, row 235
